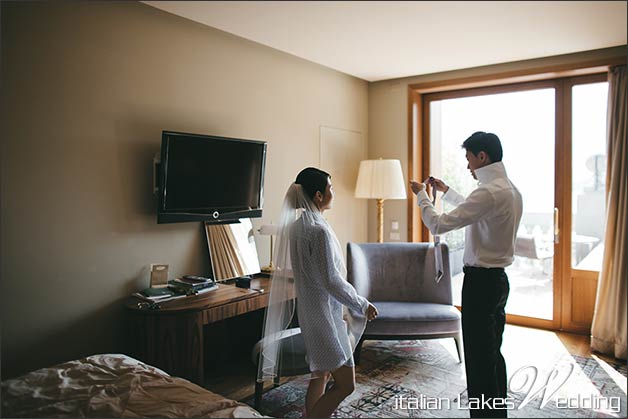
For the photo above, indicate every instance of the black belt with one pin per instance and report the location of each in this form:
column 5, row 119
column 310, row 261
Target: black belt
column 477, row 269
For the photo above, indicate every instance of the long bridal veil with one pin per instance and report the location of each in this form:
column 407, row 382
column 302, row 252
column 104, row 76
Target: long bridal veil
column 278, row 341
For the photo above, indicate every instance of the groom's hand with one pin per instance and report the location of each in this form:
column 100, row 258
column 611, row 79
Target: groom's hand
column 438, row 184
column 416, row 186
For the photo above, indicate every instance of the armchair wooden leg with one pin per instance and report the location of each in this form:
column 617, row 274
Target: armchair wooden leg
column 259, row 389
column 358, row 348
column 458, row 340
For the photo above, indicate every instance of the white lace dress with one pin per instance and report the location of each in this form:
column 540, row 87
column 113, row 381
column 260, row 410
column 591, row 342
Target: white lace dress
column 322, row 291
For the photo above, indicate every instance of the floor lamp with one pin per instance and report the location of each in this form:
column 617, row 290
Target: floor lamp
column 380, row 179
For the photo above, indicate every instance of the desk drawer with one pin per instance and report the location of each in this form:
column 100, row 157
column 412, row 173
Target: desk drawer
column 236, row 308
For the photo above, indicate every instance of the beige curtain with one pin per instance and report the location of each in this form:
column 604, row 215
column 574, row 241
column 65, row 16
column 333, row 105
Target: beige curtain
column 608, row 333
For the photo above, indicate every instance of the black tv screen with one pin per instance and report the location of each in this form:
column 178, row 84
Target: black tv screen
column 210, row 178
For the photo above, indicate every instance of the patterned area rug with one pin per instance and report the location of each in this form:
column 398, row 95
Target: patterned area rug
column 401, row 379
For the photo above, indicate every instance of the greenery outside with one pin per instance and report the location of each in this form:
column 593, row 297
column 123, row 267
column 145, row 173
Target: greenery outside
column 456, row 176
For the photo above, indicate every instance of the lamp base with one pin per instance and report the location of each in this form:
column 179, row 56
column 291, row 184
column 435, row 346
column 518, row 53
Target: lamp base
column 380, row 221
column 269, row 269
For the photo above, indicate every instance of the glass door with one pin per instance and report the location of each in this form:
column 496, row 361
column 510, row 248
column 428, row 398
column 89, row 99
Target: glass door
column 553, row 135
column 585, row 201
column 588, row 175
column 524, row 120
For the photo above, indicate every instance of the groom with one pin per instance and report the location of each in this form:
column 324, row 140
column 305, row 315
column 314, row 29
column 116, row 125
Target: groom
column 491, row 216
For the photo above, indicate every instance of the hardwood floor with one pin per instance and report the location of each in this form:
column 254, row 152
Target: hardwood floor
column 236, row 379
column 575, row 344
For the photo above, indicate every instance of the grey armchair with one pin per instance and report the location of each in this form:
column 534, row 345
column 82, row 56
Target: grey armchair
column 399, row 279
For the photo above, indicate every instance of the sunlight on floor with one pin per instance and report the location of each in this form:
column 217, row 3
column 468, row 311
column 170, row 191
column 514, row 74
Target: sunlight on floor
column 566, row 385
column 525, row 344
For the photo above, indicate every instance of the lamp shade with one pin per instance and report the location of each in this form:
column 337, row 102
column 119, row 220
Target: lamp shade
column 380, row 179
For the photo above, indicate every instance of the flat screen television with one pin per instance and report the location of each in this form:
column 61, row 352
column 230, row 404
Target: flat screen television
column 210, row 178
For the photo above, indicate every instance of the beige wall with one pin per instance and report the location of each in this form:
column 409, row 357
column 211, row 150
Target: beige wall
column 388, row 118
column 87, row 89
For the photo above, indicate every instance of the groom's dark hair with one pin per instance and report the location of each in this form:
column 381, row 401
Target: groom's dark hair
column 312, row 180
column 486, row 142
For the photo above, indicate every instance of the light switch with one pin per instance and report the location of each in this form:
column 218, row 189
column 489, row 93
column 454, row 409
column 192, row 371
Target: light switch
column 394, row 225
column 394, row 235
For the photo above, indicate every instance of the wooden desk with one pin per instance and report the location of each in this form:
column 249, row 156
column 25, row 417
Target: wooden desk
column 171, row 337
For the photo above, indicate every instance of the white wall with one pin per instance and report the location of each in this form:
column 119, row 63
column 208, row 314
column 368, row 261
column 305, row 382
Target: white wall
column 87, row 89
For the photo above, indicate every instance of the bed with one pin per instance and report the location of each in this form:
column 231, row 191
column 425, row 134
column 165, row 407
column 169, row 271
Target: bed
column 112, row 385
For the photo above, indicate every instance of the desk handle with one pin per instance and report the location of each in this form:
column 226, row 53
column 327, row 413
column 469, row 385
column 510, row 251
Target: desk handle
column 556, row 229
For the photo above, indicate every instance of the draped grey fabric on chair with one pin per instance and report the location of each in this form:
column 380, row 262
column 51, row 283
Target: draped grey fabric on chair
column 399, row 279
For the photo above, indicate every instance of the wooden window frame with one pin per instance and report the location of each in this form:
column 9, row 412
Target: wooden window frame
column 562, row 77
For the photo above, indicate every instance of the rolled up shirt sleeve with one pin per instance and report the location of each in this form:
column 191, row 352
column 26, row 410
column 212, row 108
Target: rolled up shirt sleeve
column 478, row 205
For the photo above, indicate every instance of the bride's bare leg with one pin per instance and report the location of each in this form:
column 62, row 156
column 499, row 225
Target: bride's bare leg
column 344, row 384
column 315, row 391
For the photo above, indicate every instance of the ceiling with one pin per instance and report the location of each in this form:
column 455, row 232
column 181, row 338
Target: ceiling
column 381, row 40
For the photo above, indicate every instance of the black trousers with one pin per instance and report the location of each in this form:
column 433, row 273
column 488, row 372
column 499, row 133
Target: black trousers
column 484, row 295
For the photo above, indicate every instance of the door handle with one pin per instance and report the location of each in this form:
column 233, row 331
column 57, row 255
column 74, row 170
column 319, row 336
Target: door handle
column 556, row 229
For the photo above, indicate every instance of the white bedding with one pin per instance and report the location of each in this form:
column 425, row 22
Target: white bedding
column 112, row 385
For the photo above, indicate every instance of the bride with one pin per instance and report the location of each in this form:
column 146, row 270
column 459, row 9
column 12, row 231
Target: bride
column 331, row 314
